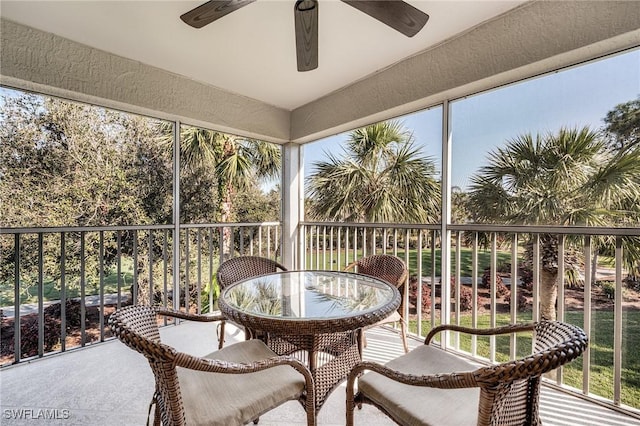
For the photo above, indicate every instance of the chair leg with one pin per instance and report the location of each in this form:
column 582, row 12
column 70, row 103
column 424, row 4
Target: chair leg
column 362, row 341
column 403, row 331
column 221, row 335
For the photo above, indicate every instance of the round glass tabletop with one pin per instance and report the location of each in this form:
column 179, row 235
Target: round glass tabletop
column 312, row 296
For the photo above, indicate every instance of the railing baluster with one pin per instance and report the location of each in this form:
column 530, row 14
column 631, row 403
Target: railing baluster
column 513, row 344
column 63, row 293
column 268, row 241
column 119, row 266
column 40, row 295
column 134, row 284
column 101, row 283
column 187, row 256
column 617, row 327
column 433, row 278
column 83, row 336
column 418, row 281
column 211, row 271
column 492, row 293
column 535, row 310
column 199, row 260
column 561, row 301
column 586, row 356
column 331, row 248
column 457, row 285
column 165, row 271
column 474, row 293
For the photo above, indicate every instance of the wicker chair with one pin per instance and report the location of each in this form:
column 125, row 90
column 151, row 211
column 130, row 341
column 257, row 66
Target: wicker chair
column 242, row 268
column 431, row 386
column 393, row 270
column 232, row 386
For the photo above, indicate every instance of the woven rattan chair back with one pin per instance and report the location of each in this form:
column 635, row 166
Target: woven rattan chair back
column 242, row 268
column 510, row 392
column 384, row 266
column 137, row 327
column 392, row 270
column 245, row 267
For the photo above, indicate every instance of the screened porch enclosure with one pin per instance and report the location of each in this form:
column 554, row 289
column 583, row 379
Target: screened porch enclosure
column 63, row 282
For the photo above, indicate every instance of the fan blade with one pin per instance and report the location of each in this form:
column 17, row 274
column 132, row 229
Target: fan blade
column 306, row 20
column 397, row 14
column 212, row 10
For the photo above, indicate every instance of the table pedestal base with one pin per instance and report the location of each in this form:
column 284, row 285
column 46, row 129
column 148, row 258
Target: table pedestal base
column 330, row 357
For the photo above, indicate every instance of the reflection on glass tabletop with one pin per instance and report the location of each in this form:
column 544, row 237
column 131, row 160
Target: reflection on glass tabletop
column 309, row 295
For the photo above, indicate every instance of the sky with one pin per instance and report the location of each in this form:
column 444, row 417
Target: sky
column 575, row 97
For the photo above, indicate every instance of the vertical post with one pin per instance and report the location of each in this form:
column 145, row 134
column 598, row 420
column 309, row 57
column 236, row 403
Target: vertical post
column 17, row 340
column 492, row 293
column 560, row 297
column 514, row 295
column 474, row 293
column 63, row 293
column 292, row 205
column 445, row 214
column 418, row 278
column 586, row 356
column 40, row 295
column 176, row 215
column 617, row 327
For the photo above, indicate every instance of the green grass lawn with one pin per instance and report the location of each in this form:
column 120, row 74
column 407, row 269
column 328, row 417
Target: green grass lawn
column 600, row 347
column 51, row 288
column 484, row 260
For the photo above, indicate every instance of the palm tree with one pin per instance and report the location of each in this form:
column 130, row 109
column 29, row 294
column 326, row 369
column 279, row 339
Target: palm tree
column 568, row 178
column 381, row 177
column 236, row 162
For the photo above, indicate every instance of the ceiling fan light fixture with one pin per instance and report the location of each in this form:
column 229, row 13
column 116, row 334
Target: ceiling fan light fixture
column 397, row 14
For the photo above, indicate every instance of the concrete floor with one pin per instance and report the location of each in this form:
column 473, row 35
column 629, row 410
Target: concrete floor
column 109, row 384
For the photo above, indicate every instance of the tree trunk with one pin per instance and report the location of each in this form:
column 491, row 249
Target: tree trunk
column 371, row 242
column 548, row 294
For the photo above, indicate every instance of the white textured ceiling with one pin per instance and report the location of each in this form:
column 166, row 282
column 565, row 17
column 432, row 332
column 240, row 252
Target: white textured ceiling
column 251, row 51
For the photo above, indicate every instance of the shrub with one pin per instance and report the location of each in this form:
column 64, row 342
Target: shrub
column 502, row 290
column 466, row 296
column 486, row 280
column 522, row 301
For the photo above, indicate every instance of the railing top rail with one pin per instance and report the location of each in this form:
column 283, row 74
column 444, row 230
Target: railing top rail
column 60, row 229
column 376, row 225
column 478, row 227
column 228, row 224
column 547, row 229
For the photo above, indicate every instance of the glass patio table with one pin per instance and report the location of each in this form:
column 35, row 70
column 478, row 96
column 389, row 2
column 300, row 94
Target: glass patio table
column 317, row 316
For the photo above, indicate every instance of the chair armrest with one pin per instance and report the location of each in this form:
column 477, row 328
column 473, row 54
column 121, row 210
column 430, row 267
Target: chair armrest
column 189, row 316
column 507, row 329
column 350, row 266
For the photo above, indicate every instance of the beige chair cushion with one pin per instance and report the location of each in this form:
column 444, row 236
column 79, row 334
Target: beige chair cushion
column 418, row 405
column 236, row 399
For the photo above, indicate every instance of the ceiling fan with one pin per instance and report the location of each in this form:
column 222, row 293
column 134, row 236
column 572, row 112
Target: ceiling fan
column 397, row 14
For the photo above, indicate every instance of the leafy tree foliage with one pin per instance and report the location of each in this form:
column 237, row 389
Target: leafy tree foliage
column 68, row 164
column 622, row 125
